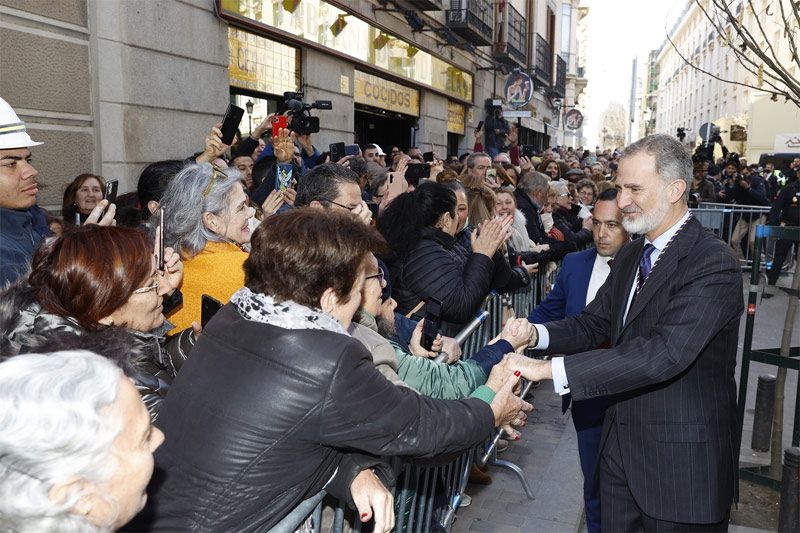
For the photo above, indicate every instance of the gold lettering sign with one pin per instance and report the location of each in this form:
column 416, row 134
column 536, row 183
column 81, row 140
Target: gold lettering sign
column 377, row 92
column 455, row 118
column 261, row 64
column 312, row 20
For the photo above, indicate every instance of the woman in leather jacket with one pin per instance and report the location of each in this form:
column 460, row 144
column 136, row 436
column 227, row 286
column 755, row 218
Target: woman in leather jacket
column 277, row 397
column 94, row 278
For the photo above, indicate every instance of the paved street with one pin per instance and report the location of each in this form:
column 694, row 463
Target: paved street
column 548, row 453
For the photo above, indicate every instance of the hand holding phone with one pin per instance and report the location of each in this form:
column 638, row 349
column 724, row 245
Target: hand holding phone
column 279, row 122
column 160, row 238
column 433, row 321
column 233, row 116
column 110, row 193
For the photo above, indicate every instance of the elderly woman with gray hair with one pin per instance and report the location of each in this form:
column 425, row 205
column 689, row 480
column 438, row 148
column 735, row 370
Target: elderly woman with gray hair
column 208, row 221
column 76, row 444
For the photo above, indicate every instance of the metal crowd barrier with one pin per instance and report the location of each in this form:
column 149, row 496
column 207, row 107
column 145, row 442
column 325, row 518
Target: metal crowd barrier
column 736, row 225
column 427, row 498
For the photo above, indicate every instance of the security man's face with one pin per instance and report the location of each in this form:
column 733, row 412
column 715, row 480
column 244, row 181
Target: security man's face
column 18, row 187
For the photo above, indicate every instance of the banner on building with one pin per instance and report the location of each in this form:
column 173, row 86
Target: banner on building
column 787, row 142
column 456, row 118
column 377, row 92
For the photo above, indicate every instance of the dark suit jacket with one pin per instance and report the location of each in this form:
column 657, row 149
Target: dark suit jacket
column 568, row 295
column 671, row 367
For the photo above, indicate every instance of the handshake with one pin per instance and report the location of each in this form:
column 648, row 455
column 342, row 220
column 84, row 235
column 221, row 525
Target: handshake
column 510, row 410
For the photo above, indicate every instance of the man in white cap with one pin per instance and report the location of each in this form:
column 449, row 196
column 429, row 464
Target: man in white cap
column 22, row 222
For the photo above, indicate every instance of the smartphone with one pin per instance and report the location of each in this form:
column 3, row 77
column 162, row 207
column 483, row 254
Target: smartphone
column 528, row 151
column 283, row 177
column 395, row 188
column 428, row 157
column 491, row 173
column 433, row 321
column 111, row 191
column 352, row 149
column 208, row 308
column 414, row 173
column 278, row 122
column 233, row 116
column 160, row 254
column 479, row 127
column 337, row 151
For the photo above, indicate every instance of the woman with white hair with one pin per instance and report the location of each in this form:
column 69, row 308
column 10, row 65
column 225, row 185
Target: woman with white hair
column 76, row 444
column 207, row 218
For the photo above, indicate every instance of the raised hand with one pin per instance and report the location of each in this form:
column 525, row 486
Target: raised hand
column 493, row 233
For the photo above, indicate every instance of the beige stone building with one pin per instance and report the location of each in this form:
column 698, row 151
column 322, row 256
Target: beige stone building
column 679, row 96
column 112, row 85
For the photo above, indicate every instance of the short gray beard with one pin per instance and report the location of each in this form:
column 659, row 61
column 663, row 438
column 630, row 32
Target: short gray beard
column 386, row 328
column 647, row 222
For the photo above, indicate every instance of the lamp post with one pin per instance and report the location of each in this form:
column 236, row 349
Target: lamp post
column 249, row 106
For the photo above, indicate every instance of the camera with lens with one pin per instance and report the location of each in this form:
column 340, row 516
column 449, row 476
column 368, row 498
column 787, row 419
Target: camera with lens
column 302, row 122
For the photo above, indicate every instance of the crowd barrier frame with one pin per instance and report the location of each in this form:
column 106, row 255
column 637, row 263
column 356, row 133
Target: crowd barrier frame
column 769, row 356
column 723, row 220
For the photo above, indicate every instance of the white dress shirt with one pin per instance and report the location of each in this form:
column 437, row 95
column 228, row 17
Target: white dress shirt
column 560, row 381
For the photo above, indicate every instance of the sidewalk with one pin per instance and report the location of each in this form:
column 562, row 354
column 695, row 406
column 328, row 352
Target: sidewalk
column 548, row 452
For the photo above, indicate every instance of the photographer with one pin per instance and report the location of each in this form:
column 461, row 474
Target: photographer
column 702, row 189
column 497, row 130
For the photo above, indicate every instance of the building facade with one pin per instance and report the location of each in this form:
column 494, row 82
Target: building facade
column 679, row 96
column 112, row 85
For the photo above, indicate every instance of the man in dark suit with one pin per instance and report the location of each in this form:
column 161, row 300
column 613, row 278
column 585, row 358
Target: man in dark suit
column 579, row 278
column 670, row 312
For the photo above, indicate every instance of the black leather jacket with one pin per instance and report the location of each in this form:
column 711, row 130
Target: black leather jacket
column 260, row 418
column 25, row 326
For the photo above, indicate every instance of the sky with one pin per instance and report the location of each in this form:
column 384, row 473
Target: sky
column 618, row 31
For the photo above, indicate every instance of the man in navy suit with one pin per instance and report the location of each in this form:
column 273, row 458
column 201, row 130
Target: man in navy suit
column 669, row 310
column 580, row 276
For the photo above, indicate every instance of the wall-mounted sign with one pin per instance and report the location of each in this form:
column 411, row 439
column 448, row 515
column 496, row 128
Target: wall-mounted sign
column 519, row 89
column 455, row 118
column 261, row 64
column 573, row 120
column 377, row 92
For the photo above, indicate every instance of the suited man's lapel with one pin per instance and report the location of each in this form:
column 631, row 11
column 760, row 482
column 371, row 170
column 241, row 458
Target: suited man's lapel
column 662, row 271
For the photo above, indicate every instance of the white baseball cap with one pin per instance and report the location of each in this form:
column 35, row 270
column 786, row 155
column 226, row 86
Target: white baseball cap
column 12, row 130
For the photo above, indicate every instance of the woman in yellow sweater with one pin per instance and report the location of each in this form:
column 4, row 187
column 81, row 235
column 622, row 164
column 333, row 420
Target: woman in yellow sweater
column 207, row 216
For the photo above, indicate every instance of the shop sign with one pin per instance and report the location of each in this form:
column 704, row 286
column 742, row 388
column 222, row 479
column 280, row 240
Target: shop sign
column 787, row 142
column 455, row 118
column 518, row 89
column 261, row 64
column 573, row 120
column 377, row 92
column 332, row 28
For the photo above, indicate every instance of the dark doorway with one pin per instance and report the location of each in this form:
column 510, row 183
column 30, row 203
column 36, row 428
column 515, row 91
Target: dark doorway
column 452, row 143
column 383, row 128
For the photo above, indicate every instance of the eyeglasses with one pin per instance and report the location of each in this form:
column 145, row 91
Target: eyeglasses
column 378, row 276
column 563, row 195
column 148, row 288
column 216, row 173
column 342, row 206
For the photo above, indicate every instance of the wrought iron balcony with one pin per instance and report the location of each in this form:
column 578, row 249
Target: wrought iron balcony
column 560, row 85
column 473, row 20
column 543, row 66
column 517, row 37
column 422, row 5
column 512, row 49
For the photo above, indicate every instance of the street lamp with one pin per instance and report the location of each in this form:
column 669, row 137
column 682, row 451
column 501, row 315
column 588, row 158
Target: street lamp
column 249, row 106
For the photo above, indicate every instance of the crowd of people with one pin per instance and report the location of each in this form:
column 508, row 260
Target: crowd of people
column 123, row 404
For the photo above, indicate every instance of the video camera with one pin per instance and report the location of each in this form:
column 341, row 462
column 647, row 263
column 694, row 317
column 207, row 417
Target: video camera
column 710, row 133
column 302, row 122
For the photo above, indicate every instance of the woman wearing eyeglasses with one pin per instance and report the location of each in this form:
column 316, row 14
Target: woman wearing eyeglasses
column 92, row 278
column 208, row 221
column 575, row 228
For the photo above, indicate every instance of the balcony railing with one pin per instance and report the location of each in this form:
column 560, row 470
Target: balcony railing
column 560, row 85
column 473, row 20
column 543, row 67
column 422, row 5
column 517, row 37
